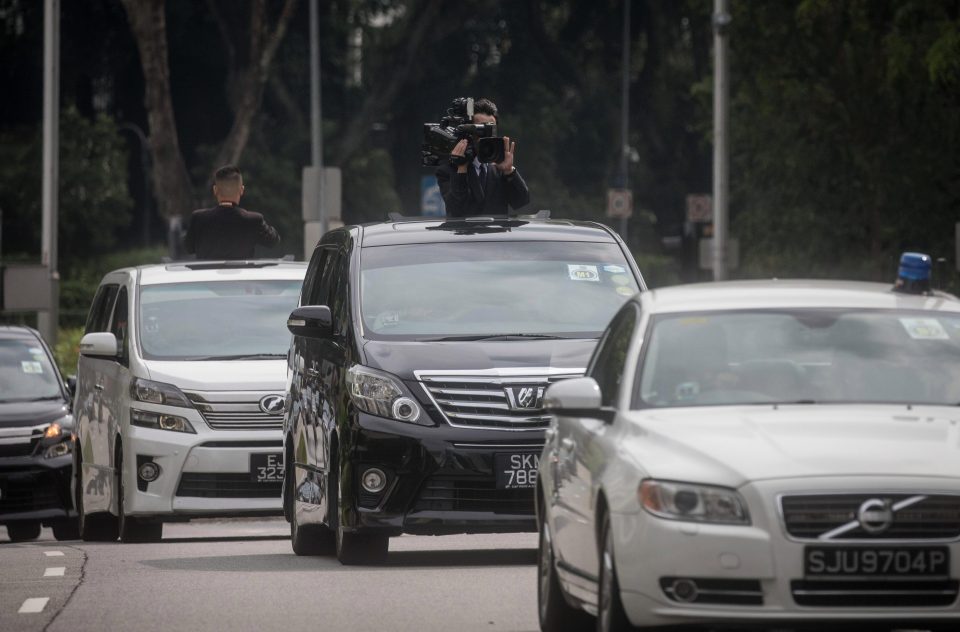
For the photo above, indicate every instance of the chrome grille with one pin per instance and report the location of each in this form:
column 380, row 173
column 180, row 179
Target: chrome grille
column 226, row 410
column 886, row 593
column 833, row 517
column 480, row 399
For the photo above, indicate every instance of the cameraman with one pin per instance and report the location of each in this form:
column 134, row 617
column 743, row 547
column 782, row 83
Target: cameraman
column 477, row 188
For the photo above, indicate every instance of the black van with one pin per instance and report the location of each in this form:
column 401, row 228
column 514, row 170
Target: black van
column 420, row 355
column 36, row 427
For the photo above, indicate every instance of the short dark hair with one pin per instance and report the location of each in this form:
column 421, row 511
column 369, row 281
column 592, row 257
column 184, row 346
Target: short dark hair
column 484, row 105
column 228, row 173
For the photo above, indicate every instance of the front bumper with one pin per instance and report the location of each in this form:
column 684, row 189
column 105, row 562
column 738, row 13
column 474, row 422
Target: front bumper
column 754, row 575
column 441, row 479
column 35, row 488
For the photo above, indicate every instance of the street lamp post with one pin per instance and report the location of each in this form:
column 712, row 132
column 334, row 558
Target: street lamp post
column 48, row 321
column 721, row 97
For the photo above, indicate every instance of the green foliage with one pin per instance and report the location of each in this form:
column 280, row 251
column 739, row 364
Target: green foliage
column 68, row 349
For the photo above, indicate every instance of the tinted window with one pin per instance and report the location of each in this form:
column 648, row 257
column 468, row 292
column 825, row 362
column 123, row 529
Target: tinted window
column 26, row 372
column 216, row 320
column 424, row 291
column 318, row 290
column 843, row 356
column 608, row 361
column 119, row 325
column 99, row 317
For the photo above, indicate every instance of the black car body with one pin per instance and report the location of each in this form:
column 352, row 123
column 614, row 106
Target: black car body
column 420, row 354
column 35, row 439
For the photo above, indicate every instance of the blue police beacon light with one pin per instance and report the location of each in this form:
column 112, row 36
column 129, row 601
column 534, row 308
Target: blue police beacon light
column 913, row 276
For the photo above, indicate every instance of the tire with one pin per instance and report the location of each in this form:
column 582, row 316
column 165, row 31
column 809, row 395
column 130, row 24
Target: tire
column 556, row 615
column 308, row 539
column 353, row 548
column 611, row 616
column 66, row 529
column 23, row 531
column 98, row 527
column 133, row 529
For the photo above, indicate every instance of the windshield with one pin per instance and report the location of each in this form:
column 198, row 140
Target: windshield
column 803, row 356
column 26, row 373
column 217, row 320
column 481, row 289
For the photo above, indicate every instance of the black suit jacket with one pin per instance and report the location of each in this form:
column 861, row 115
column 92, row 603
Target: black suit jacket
column 465, row 195
column 228, row 232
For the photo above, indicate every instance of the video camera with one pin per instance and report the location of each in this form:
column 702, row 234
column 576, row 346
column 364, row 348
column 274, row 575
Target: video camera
column 439, row 139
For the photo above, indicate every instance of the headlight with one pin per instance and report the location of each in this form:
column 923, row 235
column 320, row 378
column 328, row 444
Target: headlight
column 160, row 421
column 158, row 393
column 379, row 394
column 53, row 431
column 696, row 503
column 58, row 449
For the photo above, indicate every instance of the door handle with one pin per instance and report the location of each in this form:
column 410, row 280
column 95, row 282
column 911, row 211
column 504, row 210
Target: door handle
column 99, row 387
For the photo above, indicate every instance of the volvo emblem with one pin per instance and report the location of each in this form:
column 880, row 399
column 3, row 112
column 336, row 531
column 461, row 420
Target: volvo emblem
column 524, row 397
column 273, row 404
column 875, row 515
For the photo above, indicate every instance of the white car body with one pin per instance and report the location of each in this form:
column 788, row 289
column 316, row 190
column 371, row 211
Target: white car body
column 200, row 472
column 779, row 458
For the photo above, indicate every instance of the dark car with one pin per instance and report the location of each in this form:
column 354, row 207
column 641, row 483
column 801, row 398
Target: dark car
column 420, row 355
column 35, row 439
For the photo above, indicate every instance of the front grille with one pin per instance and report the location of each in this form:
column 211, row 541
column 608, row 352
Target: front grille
column 216, row 485
column 28, row 491
column 235, row 410
column 734, row 592
column 874, row 593
column 24, row 448
column 493, row 400
column 834, row 516
column 470, row 494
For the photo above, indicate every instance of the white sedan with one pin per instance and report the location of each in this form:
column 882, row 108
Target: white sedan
column 766, row 453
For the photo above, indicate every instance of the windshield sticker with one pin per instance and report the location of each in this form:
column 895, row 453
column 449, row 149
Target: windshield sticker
column 31, row 367
column 623, row 290
column 387, row 319
column 36, row 351
column 924, row 328
column 614, row 269
column 583, row 273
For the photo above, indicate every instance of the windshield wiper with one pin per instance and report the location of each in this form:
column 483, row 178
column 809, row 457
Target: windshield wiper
column 496, row 337
column 243, row 356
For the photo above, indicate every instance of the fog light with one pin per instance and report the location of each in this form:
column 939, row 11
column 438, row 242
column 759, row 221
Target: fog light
column 149, row 471
column 685, row 590
column 374, row 480
column 405, row 409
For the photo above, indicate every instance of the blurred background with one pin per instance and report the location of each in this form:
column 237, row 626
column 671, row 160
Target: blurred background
column 844, row 122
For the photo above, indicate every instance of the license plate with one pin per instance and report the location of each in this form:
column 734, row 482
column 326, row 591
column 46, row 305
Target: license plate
column 876, row 561
column 516, row 471
column 266, row 468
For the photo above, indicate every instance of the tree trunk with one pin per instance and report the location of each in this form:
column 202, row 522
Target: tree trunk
column 170, row 179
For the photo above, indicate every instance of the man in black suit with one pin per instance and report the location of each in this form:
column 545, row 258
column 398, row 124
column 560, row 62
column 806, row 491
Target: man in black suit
column 475, row 188
column 227, row 231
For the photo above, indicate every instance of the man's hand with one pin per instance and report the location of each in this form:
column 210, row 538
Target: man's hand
column 506, row 167
column 460, row 149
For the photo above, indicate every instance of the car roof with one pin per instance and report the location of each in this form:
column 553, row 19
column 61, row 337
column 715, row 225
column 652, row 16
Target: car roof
column 199, row 271
column 793, row 293
column 435, row 230
column 18, row 332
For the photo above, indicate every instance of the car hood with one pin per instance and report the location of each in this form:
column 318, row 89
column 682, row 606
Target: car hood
column 734, row 445
column 213, row 375
column 15, row 414
column 403, row 358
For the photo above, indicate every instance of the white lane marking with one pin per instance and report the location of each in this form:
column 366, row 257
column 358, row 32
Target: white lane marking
column 55, row 571
column 33, row 605
column 53, row 553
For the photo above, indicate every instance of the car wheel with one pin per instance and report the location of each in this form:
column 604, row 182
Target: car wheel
column 133, row 529
column 66, row 529
column 21, row 531
column 353, row 548
column 307, row 539
column 555, row 613
column 98, row 527
column 610, row 613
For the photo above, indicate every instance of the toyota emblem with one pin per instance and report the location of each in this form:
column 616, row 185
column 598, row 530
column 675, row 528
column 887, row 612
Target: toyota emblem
column 273, row 404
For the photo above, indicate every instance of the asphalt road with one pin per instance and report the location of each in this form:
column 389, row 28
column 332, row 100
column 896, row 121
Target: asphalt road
column 242, row 575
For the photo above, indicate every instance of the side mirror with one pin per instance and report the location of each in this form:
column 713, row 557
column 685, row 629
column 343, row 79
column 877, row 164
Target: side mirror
column 311, row 321
column 577, row 397
column 99, row 344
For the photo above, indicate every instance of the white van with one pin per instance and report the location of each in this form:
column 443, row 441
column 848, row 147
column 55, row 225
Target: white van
column 180, row 395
